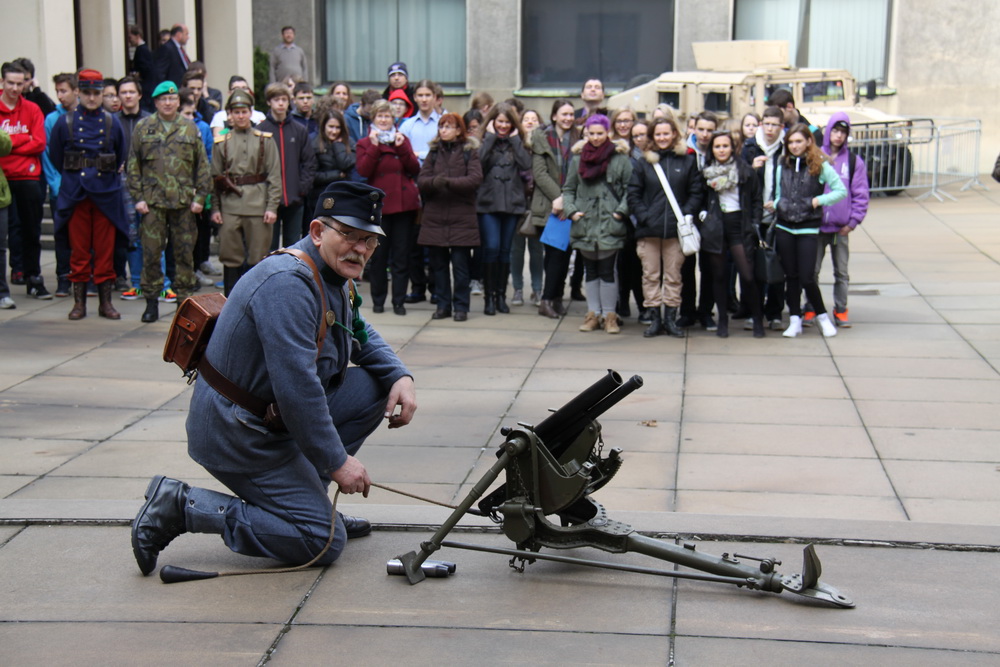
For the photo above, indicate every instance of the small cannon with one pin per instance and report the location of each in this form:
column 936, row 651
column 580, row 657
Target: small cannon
column 551, row 471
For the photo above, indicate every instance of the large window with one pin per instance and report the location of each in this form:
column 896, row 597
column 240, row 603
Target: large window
column 364, row 37
column 848, row 34
column 566, row 43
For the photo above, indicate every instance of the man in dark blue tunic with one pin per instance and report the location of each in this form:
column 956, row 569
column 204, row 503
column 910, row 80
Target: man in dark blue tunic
column 265, row 343
column 88, row 147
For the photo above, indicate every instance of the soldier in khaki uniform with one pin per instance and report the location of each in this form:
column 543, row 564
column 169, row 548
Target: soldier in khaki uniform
column 168, row 178
column 247, row 178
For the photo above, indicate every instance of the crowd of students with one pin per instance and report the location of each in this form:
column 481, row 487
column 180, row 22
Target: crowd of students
column 470, row 192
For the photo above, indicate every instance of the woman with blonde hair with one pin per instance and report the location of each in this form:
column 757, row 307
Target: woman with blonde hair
column 658, row 245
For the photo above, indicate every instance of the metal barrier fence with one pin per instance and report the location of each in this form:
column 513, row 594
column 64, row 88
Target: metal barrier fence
column 920, row 153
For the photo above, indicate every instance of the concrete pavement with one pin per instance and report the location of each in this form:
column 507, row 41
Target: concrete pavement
column 880, row 445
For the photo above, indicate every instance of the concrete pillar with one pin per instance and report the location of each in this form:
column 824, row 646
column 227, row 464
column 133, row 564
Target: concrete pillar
column 232, row 53
column 102, row 35
column 701, row 21
column 43, row 32
column 493, row 47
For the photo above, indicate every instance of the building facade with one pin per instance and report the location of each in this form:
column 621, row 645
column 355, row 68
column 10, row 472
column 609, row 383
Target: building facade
column 926, row 55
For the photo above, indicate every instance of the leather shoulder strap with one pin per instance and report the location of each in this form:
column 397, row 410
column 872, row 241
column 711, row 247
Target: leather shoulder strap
column 295, row 252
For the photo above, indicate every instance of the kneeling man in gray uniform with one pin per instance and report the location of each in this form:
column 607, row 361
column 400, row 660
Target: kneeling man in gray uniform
column 274, row 341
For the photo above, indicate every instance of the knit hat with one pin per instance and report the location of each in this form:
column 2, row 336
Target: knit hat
column 165, row 88
column 398, row 68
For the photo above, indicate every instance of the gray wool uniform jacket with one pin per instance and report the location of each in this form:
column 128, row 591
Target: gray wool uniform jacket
column 265, row 342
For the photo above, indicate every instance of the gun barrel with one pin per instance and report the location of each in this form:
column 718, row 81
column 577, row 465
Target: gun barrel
column 556, row 423
column 562, row 427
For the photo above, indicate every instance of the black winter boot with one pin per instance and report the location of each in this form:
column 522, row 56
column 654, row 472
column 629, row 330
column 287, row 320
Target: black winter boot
column 670, row 323
column 152, row 312
column 489, row 288
column 502, row 270
column 655, row 327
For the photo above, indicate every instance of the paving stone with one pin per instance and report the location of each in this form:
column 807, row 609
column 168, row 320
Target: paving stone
column 807, row 412
column 935, row 444
column 74, row 423
column 83, row 391
column 783, row 504
column 448, row 646
column 899, row 600
column 75, row 573
column 30, row 456
column 787, row 474
column 102, row 643
column 929, row 414
column 724, row 650
column 934, row 389
column 776, row 439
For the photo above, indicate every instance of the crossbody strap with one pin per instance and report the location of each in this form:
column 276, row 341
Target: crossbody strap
column 323, row 323
column 668, row 191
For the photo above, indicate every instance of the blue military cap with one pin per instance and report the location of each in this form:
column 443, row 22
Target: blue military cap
column 357, row 205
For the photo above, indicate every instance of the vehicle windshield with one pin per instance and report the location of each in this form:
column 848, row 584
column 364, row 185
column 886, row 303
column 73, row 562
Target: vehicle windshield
column 823, row 91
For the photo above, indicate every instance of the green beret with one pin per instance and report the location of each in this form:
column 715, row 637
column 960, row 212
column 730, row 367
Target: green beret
column 165, row 88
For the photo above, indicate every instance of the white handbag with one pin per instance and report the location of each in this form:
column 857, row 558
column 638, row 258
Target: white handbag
column 687, row 232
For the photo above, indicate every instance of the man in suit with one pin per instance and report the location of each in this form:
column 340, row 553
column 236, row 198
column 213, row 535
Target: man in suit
column 142, row 64
column 171, row 59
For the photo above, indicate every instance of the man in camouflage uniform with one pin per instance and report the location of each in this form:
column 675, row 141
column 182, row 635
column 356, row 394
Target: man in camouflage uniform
column 247, row 177
column 168, row 178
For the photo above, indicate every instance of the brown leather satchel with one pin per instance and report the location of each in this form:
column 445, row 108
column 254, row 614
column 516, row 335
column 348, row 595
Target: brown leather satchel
column 192, row 328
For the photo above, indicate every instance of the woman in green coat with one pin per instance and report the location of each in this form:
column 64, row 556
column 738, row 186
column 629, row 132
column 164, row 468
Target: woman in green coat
column 594, row 197
column 6, row 302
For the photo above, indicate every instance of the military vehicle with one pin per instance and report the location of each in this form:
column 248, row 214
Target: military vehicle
column 737, row 77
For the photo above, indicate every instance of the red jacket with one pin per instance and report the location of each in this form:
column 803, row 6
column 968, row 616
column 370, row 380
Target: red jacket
column 26, row 127
column 391, row 169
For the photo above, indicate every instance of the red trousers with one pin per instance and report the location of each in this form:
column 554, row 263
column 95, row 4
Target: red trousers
column 91, row 236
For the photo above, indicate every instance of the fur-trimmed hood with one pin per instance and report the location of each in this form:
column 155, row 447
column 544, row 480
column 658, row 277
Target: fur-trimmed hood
column 471, row 143
column 621, row 146
column 653, row 156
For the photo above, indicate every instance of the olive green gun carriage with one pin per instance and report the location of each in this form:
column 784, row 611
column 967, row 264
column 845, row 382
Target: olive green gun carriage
column 552, row 470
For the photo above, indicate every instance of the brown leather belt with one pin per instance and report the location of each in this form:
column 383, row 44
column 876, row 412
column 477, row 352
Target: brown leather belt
column 249, row 180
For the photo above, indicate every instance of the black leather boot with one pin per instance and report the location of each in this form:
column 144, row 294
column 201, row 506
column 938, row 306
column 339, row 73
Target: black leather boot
column 655, row 327
column 501, row 272
column 152, row 312
column 229, row 278
column 489, row 288
column 159, row 521
column 670, row 323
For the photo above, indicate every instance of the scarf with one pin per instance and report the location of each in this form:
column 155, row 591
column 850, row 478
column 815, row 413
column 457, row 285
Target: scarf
column 594, row 160
column 769, row 152
column 561, row 148
column 722, row 177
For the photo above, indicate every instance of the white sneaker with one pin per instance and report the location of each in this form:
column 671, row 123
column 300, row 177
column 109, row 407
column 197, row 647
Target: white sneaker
column 203, row 279
column 794, row 327
column 209, row 269
column 7, row 303
column 826, row 326
column 476, row 287
column 518, row 298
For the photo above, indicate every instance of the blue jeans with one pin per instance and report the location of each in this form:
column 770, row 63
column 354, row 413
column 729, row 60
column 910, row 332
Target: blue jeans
column 496, row 235
column 286, row 513
column 288, row 228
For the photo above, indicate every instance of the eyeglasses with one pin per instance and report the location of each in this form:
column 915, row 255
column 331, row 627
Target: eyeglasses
column 354, row 237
